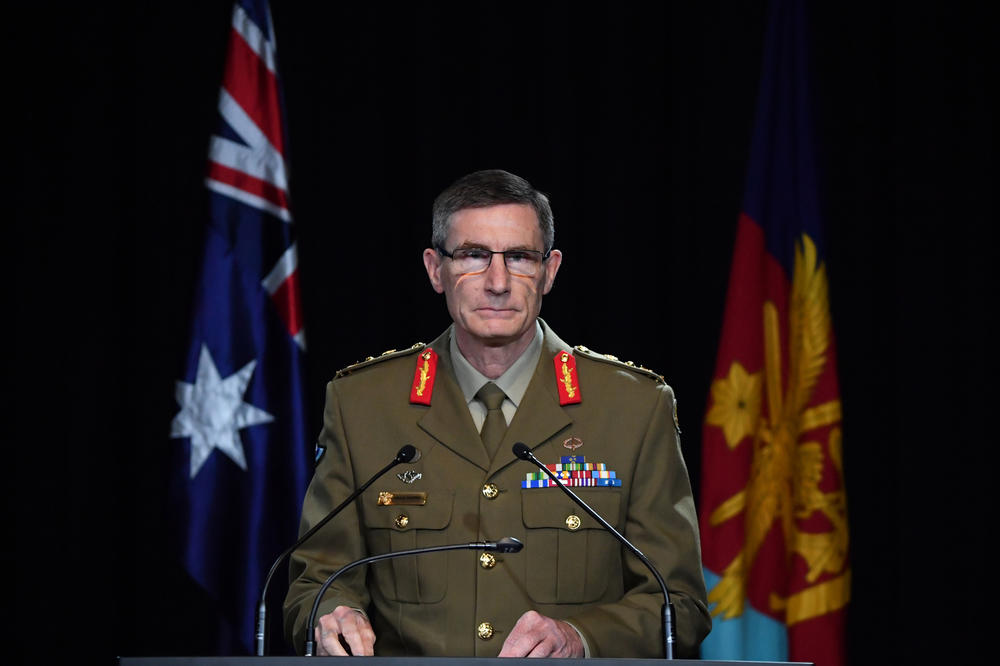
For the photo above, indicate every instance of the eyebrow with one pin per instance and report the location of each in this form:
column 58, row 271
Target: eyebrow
column 468, row 245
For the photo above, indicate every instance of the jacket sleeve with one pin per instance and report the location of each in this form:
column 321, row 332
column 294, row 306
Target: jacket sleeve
column 338, row 543
column 662, row 523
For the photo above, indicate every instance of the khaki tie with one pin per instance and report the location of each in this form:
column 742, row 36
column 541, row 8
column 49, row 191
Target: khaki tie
column 495, row 424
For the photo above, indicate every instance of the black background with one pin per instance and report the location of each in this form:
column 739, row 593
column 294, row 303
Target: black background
column 635, row 119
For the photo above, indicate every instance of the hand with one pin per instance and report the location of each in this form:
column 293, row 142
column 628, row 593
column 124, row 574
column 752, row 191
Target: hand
column 345, row 624
column 536, row 635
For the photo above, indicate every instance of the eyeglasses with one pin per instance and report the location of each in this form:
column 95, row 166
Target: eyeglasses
column 520, row 263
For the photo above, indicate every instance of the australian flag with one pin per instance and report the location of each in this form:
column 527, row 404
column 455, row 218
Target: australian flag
column 242, row 458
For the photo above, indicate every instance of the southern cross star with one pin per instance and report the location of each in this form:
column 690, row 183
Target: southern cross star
column 213, row 412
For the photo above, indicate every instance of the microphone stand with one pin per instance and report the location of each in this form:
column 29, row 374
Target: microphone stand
column 407, row 454
column 524, row 453
column 505, row 545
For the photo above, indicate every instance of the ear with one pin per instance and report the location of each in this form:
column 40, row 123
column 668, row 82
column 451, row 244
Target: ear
column 432, row 262
column 551, row 268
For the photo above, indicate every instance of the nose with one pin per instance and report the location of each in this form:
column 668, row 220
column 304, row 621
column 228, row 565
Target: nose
column 497, row 276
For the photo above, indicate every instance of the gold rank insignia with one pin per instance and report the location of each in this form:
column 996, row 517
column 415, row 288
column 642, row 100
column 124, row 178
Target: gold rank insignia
column 371, row 360
column 614, row 360
column 423, row 377
column 566, row 379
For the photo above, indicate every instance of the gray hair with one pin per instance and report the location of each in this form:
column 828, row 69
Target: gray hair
column 492, row 187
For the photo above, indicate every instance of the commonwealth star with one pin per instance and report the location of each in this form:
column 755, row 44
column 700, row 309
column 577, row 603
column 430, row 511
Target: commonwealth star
column 213, row 412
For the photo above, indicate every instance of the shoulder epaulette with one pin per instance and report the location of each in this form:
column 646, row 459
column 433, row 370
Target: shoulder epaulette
column 608, row 358
column 384, row 356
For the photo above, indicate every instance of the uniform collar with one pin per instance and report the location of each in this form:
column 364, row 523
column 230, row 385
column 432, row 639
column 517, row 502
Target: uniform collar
column 448, row 419
column 514, row 381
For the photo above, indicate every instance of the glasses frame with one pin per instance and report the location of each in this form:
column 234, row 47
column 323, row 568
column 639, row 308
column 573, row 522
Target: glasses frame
column 451, row 255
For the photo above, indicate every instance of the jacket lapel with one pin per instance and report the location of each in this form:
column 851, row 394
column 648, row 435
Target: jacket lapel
column 539, row 416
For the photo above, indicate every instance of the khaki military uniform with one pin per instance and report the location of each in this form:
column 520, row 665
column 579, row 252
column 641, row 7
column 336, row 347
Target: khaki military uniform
column 460, row 603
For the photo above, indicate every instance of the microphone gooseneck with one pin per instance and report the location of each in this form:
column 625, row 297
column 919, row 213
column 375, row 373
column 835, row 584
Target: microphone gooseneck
column 406, row 454
column 524, row 453
column 504, row 545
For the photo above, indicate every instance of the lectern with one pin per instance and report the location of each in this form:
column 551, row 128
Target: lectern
column 428, row 661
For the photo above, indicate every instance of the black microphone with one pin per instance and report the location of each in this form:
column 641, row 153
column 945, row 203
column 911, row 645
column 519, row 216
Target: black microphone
column 407, row 454
column 504, row 545
column 524, row 453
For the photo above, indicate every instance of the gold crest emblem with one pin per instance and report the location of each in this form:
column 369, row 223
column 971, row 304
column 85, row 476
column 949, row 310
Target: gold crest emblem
column 784, row 484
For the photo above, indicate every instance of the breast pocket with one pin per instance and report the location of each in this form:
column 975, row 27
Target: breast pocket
column 391, row 528
column 572, row 556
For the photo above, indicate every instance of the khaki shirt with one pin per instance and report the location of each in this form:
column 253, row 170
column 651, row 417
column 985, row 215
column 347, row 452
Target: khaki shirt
column 514, row 382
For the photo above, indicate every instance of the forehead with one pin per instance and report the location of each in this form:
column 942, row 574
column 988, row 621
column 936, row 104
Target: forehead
column 496, row 227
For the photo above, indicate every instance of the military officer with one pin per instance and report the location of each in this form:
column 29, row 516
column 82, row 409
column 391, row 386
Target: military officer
column 497, row 376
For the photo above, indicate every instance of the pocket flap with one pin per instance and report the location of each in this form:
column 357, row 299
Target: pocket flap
column 549, row 507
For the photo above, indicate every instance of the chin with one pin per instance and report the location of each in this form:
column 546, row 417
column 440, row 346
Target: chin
column 497, row 335
column 499, row 331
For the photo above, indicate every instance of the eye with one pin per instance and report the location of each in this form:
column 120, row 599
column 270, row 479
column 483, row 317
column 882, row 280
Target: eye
column 475, row 253
column 520, row 257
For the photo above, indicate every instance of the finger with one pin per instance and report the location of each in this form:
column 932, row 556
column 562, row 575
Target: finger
column 358, row 634
column 535, row 635
column 328, row 643
column 544, row 648
column 523, row 638
column 517, row 646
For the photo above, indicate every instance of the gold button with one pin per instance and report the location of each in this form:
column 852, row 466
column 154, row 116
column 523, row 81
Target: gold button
column 490, row 491
column 487, row 561
column 573, row 522
column 402, row 520
column 484, row 631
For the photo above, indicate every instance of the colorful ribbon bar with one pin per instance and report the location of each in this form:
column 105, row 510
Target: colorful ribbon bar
column 575, row 467
column 582, row 474
column 573, row 483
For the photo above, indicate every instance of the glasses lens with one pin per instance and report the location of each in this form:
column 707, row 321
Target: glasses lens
column 471, row 260
column 522, row 263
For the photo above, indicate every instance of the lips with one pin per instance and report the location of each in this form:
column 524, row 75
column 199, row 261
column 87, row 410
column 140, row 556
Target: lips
column 495, row 312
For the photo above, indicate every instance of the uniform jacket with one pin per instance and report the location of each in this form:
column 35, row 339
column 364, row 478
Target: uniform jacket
column 432, row 605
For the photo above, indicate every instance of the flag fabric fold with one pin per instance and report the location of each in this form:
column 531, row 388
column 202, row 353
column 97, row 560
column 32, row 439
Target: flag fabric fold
column 773, row 511
column 241, row 461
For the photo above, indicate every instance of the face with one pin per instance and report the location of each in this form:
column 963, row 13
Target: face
column 493, row 308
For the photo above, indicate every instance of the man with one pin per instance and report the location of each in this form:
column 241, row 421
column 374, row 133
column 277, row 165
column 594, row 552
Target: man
column 497, row 376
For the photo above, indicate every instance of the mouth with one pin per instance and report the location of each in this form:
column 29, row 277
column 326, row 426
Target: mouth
column 494, row 312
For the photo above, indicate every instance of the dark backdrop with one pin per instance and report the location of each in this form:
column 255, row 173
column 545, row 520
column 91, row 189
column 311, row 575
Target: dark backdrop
column 635, row 118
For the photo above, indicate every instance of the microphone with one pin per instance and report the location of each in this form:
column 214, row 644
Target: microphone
column 524, row 453
column 504, row 545
column 407, row 454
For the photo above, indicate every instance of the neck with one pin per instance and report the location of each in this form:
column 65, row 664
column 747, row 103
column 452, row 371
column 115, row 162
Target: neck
column 492, row 360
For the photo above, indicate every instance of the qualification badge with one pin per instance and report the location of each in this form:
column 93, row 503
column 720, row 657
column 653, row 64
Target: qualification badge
column 423, row 377
column 566, row 379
